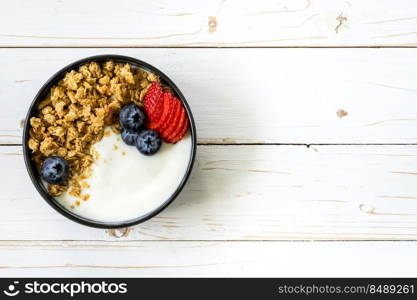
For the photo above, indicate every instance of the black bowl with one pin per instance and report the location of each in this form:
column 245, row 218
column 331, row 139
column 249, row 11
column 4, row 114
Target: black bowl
column 34, row 174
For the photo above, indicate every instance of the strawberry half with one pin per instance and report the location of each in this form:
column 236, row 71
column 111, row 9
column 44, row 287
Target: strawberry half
column 175, row 105
column 173, row 123
column 166, row 112
column 153, row 101
column 182, row 133
column 179, row 127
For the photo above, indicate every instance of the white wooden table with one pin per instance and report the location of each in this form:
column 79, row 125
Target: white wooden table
column 306, row 113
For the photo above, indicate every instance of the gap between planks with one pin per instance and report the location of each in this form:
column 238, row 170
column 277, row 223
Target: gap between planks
column 212, row 47
column 117, row 243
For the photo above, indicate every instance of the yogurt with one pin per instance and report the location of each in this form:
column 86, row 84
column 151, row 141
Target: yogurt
column 126, row 184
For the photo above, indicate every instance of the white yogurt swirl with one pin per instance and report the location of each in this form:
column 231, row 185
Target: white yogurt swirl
column 126, row 184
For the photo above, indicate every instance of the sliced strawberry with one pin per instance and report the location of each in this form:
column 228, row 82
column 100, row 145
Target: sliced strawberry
column 156, row 112
column 179, row 127
column 153, row 101
column 151, row 124
column 166, row 112
column 174, row 107
column 173, row 124
column 182, row 133
column 153, row 95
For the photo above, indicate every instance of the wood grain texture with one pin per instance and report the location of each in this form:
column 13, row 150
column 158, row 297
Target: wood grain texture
column 217, row 23
column 241, row 201
column 254, row 95
column 208, row 259
column 250, row 193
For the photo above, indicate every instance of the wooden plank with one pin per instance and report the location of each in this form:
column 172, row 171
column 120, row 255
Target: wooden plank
column 207, row 259
column 208, row 23
column 255, row 95
column 250, row 193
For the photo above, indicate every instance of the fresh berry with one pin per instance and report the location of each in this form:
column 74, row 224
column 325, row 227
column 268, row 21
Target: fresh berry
column 129, row 137
column 55, row 170
column 174, row 121
column 180, row 126
column 175, row 107
column 153, row 101
column 148, row 142
column 182, row 133
column 179, row 134
column 131, row 117
column 166, row 112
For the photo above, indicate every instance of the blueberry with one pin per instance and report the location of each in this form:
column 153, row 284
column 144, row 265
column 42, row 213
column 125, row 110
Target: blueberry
column 148, row 142
column 131, row 117
column 129, row 137
column 55, row 170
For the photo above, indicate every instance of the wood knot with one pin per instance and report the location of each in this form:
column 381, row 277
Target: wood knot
column 341, row 113
column 342, row 20
column 367, row 209
column 212, row 24
column 119, row 232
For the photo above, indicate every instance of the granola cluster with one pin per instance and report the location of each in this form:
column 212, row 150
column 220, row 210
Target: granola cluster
column 75, row 113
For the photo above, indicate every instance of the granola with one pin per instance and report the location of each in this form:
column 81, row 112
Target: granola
column 74, row 115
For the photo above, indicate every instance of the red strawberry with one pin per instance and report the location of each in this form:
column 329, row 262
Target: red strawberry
column 175, row 105
column 179, row 127
column 182, row 133
column 166, row 112
column 153, row 101
column 153, row 95
column 173, row 123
